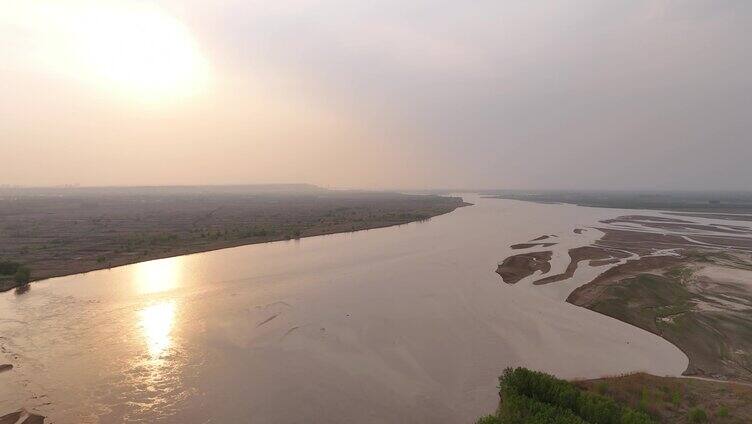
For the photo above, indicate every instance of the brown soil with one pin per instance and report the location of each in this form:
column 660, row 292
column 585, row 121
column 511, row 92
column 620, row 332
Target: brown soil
column 517, row 267
column 543, row 237
column 601, row 262
column 630, row 218
column 640, row 243
column 529, row 245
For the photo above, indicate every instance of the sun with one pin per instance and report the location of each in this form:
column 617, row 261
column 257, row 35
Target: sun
column 140, row 51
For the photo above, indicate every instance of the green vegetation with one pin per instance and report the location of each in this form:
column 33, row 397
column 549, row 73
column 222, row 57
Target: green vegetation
column 722, row 412
column 19, row 273
column 489, row 419
column 22, row 275
column 675, row 400
column 531, row 397
column 698, row 415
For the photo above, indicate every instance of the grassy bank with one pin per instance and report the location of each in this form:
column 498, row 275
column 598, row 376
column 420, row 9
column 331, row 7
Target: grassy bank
column 530, row 397
column 677, row 400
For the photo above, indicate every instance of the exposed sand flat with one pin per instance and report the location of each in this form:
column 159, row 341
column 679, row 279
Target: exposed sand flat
column 726, row 274
column 403, row 324
column 693, row 291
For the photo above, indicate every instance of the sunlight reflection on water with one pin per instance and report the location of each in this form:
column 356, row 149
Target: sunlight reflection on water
column 158, row 276
column 156, row 323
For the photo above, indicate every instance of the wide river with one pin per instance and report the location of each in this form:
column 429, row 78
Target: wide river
column 405, row 324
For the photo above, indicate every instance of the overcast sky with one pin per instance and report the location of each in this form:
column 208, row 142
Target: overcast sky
column 390, row 94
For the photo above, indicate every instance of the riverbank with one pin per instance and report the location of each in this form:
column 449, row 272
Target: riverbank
column 533, row 397
column 58, row 232
column 700, row 301
column 676, row 400
column 686, row 280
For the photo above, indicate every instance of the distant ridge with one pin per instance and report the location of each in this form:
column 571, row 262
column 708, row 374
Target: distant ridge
column 250, row 189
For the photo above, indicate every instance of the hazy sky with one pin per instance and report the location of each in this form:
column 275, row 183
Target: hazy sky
column 388, row 94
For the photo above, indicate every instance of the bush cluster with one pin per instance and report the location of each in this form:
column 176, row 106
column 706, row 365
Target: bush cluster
column 531, row 397
column 22, row 275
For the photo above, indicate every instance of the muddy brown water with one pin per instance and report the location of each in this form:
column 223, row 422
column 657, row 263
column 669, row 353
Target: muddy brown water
column 401, row 324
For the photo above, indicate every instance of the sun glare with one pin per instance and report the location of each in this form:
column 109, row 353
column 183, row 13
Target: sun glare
column 156, row 323
column 140, row 51
column 158, row 276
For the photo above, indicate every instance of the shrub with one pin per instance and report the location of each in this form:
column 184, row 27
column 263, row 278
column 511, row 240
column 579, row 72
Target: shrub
column 23, row 275
column 517, row 409
column 601, row 388
column 676, row 398
column 489, row 419
column 597, row 409
column 697, row 415
column 541, row 387
column 535, row 397
column 630, row 416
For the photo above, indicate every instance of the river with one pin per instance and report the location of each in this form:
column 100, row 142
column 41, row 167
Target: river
column 405, row 324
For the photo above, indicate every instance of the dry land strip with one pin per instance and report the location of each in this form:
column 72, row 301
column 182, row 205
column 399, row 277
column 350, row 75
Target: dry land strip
column 55, row 232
